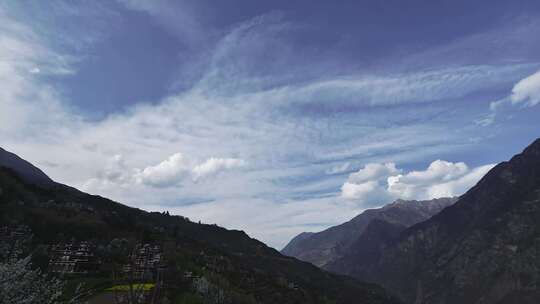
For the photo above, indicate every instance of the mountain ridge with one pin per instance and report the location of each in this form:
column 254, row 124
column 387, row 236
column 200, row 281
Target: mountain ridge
column 483, row 249
column 239, row 265
column 24, row 169
column 322, row 248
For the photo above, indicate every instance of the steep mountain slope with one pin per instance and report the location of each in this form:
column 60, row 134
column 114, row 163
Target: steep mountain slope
column 240, row 265
column 324, row 247
column 24, row 169
column 483, row 249
column 369, row 246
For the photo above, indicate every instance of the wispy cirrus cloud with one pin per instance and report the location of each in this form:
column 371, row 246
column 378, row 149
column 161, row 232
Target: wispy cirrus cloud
column 178, row 18
column 25, row 96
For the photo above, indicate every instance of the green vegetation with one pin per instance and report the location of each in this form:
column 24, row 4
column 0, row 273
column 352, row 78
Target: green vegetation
column 142, row 286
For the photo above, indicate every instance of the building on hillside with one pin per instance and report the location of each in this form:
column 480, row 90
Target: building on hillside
column 73, row 258
column 145, row 261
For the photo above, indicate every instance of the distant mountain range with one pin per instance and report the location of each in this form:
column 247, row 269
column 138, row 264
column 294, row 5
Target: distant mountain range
column 323, row 248
column 485, row 248
column 238, row 268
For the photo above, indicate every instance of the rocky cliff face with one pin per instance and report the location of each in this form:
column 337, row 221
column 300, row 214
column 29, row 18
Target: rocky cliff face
column 483, row 249
column 325, row 247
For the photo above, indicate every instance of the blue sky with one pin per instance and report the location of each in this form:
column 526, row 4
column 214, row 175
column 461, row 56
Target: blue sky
column 275, row 117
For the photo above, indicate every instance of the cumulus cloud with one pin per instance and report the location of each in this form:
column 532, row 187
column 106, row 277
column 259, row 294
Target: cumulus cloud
column 214, row 165
column 369, row 193
column 373, row 172
column 381, row 183
column 368, row 185
column 440, row 179
column 527, row 91
column 167, row 173
column 174, row 171
column 459, row 185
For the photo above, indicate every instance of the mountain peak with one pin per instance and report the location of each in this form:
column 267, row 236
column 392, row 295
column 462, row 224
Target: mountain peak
column 28, row 172
column 322, row 248
column 533, row 149
column 482, row 249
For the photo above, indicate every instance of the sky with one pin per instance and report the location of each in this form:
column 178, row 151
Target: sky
column 274, row 117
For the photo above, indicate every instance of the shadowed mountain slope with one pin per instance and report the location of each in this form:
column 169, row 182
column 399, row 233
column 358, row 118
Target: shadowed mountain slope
column 242, row 266
column 324, row 247
column 24, row 169
column 483, row 249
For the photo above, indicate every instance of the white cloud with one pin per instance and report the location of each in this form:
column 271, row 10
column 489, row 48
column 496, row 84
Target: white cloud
column 440, row 179
column 373, row 171
column 459, row 185
column 214, row 165
column 527, row 91
column 167, row 173
column 171, row 172
column 24, row 98
column 438, row 170
column 368, row 193
column 368, row 185
column 381, row 183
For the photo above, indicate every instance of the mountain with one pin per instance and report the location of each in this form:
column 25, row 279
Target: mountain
column 368, row 247
column 241, row 269
column 324, row 247
column 483, row 249
column 24, row 169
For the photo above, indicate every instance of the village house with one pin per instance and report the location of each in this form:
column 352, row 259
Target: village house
column 144, row 261
column 73, row 258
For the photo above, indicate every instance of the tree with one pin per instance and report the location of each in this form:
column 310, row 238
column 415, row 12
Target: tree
column 19, row 284
column 130, row 282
